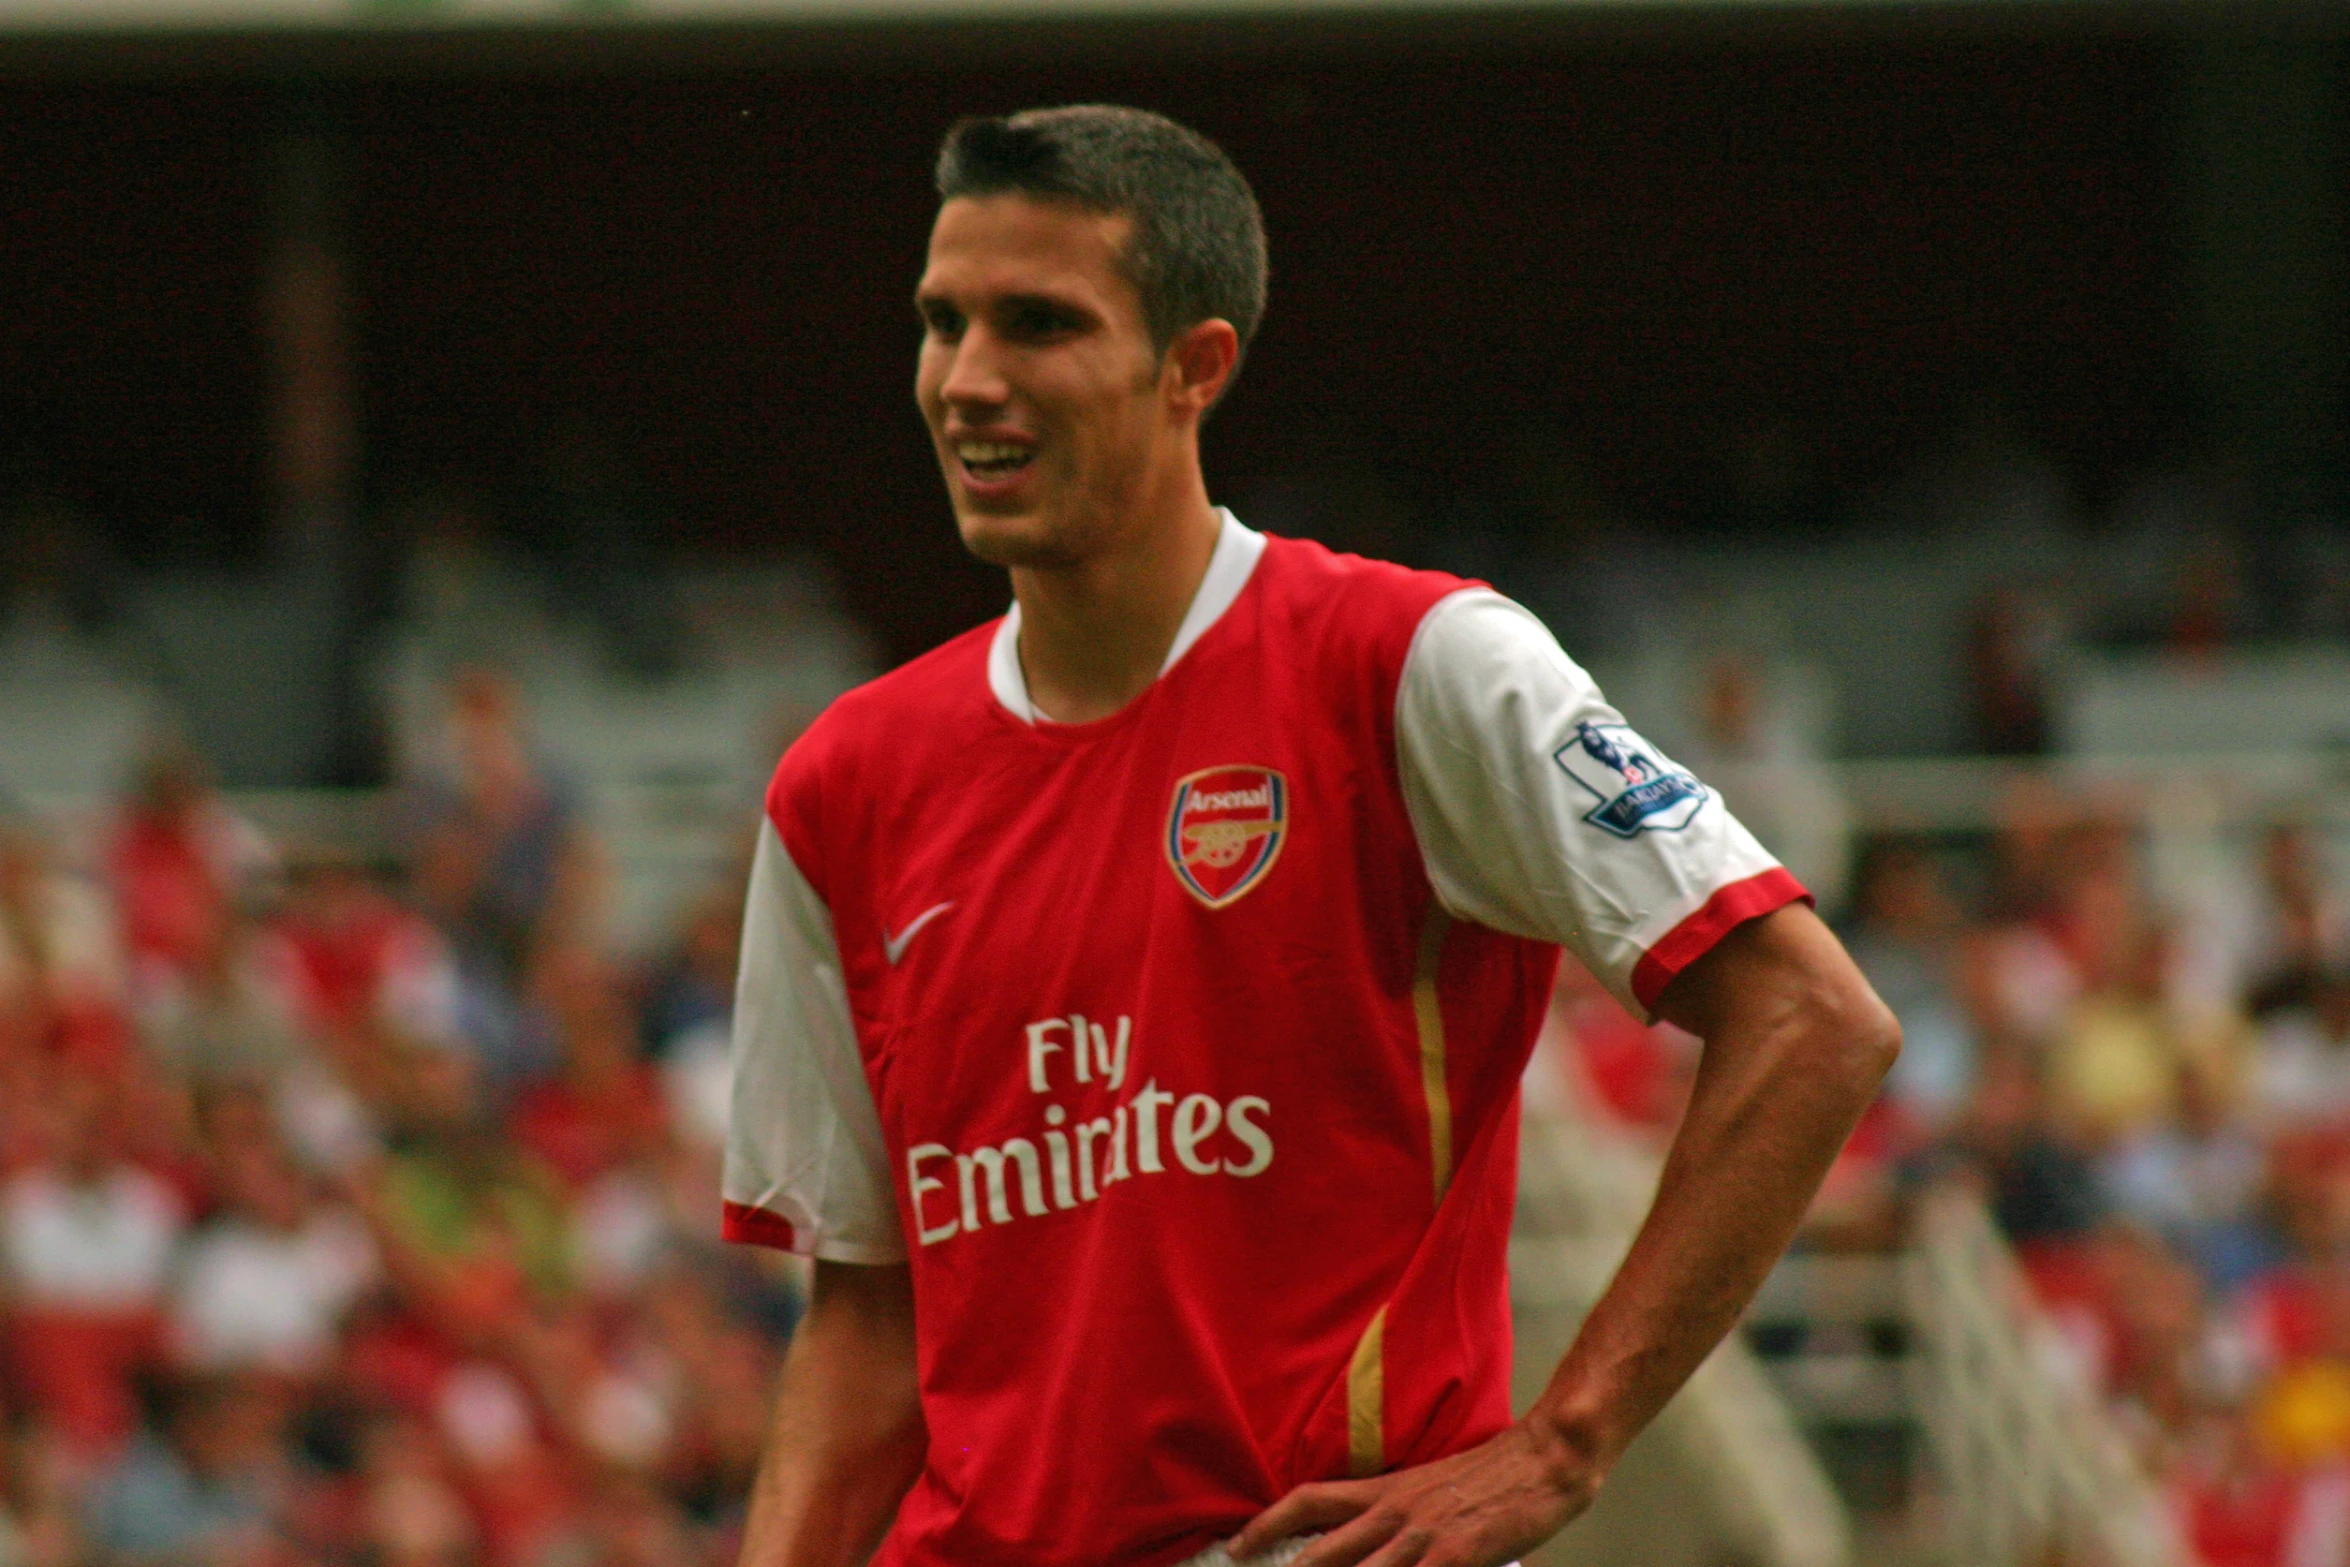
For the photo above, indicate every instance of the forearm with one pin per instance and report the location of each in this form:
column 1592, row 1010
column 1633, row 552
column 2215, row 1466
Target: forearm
column 1789, row 1065
column 847, row 1438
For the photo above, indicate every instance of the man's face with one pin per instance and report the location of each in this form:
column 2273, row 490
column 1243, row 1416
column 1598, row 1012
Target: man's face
column 1040, row 384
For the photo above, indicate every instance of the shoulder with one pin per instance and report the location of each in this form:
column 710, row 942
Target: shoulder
column 874, row 732
column 1303, row 573
column 1475, row 646
column 1340, row 602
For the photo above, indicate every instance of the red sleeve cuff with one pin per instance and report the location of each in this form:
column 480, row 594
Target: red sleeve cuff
column 756, row 1227
column 1729, row 908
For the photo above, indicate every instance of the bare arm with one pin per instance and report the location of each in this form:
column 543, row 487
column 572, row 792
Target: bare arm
column 848, row 1437
column 1795, row 1045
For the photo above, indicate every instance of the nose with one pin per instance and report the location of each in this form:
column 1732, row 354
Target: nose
column 974, row 377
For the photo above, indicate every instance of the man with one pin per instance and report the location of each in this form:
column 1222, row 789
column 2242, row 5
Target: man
column 1135, row 990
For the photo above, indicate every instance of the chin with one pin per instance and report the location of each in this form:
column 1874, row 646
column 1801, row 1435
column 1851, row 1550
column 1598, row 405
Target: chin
column 1010, row 541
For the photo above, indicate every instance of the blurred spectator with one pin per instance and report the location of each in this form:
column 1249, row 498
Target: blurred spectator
column 689, row 1011
column 2131, row 1315
column 605, row 1104
column 368, row 982
column 2301, row 923
column 2197, row 1180
column 2242, row 1508
column 2211, row 608
column 179, row 860
column 721, row 1365
column 38, row 1526
column 2115, row 1061
column 2040, row 1186
column 1905, row 938
column 525, row 1492
column 61, row 969
column 206, row 1487
column 634, row 1525
column 231, row 1013
column 367, row 972
column 2082, row 976
column 2007, row 650
column 2018, row 980
column 2301, row 1062
column 1773, row 776
column 265, row 1282
column 698, row 1080
column 471, row 1227
column 2299, row 1309
column 502, row 865
column 411, row 1512
column 86, row 1240
column 693, row 987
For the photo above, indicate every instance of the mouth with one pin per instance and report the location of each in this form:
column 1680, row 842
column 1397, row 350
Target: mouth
column 993, row 462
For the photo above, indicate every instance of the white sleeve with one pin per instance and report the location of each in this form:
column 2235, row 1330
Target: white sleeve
column 806, row 1169
column 1541, row 814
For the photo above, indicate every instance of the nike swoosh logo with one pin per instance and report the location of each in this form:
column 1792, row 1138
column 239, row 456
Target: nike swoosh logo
column 894, row 947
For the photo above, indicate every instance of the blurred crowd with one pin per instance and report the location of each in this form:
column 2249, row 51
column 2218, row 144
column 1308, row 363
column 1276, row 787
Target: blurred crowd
column 357, row 1205
column 2153, row 1097
column 363, row 1210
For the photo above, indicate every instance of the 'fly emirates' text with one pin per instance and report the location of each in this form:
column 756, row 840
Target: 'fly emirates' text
column 1079, row 1162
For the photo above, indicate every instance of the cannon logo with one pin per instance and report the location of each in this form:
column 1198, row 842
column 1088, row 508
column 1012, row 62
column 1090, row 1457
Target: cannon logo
column 1225, row 830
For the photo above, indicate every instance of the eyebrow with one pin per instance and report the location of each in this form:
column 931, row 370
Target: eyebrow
column 925, row 300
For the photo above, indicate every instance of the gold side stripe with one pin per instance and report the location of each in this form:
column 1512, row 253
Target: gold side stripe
column 1428, row 1009
column 1366, row 1401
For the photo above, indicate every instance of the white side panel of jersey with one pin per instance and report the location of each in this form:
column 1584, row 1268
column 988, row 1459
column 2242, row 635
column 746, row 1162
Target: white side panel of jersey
column 804, row 1141
column 1488, row 705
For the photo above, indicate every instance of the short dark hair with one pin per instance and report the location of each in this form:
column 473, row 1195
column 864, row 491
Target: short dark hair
column 1197, row 251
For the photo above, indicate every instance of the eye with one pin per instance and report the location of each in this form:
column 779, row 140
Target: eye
column 1035, row 319
column 940, row 320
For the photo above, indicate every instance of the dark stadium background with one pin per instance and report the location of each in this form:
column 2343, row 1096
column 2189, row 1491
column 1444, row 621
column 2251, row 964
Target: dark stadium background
column 1641, row 243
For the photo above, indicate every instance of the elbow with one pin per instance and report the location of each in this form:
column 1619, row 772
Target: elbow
column 1872, row 1037
column 1854, row 1037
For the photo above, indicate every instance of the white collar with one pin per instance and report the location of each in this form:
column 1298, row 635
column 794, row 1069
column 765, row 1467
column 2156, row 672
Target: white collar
column 1237, row 550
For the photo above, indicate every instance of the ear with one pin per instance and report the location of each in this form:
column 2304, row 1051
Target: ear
column 1200, row 363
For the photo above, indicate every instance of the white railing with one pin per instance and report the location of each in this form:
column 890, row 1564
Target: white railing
column 2032, row 1467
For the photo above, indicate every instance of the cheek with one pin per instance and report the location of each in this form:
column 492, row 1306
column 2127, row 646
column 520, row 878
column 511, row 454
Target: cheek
column 1114, row 419
column 930, row 374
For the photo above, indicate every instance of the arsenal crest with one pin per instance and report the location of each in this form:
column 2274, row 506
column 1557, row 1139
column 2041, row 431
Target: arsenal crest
column 1225, row 829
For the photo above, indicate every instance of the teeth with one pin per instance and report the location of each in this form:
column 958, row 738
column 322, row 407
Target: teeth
column 984, row 452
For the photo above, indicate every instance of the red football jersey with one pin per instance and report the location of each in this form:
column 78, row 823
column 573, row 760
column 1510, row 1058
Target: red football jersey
column 1198, row 1105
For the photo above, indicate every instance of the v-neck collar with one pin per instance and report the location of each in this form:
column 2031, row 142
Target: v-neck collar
column 1234, row 561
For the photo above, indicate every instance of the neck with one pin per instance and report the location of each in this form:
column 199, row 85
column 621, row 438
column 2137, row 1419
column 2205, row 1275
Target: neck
column 1094, row 634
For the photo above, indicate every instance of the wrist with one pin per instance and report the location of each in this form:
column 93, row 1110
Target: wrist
column 1575, row 1445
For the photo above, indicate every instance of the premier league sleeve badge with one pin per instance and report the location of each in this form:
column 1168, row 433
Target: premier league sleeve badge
column 1635, row 789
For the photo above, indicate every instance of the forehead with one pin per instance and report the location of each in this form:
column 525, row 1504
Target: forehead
column 1014, row 244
